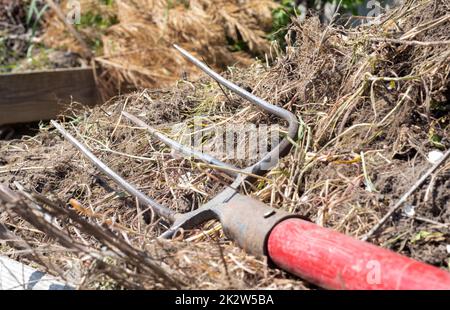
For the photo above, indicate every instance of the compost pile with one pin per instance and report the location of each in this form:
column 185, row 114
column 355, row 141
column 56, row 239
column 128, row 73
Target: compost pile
column 372, row 103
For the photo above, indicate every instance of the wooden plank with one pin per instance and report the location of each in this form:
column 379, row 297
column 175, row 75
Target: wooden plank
column 42, row 95
column 17, row 276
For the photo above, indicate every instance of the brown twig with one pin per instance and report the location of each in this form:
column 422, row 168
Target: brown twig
column 37, row 217
column 411, row 42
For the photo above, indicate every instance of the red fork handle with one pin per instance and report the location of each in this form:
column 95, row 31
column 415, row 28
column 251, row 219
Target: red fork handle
column 335, row 261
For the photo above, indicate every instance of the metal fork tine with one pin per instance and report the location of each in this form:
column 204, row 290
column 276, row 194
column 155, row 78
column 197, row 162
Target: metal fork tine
column 271, row 158
column 229, row 169
column 131, row 189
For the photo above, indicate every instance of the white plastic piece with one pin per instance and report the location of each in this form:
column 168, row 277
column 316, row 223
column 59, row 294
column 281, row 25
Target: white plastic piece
column 17, row 276
column 434, row 156
column 409, row 210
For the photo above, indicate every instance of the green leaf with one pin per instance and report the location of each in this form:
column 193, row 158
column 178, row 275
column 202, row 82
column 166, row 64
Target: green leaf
column 426, row 236
column 31, row 10
column 392, row 85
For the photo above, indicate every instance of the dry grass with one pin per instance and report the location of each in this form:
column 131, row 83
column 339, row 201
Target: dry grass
column 137, row 51
column 371, row 103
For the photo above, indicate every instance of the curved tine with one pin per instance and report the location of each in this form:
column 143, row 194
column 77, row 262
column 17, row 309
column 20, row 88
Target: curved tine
column 133, row 191
column 283, row 147
column 229, row 169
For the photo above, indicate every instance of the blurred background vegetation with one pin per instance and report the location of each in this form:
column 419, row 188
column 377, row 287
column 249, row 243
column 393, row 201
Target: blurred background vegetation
column 23, row 23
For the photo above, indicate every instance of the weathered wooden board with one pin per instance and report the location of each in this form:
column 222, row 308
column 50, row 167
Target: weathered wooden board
column 42, row 95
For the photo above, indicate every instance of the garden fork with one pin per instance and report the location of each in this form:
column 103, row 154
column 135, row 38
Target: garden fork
column 322, row 256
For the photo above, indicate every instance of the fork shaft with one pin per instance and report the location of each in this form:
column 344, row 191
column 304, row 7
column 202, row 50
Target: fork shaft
column 322, row 256
column 335, row 261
